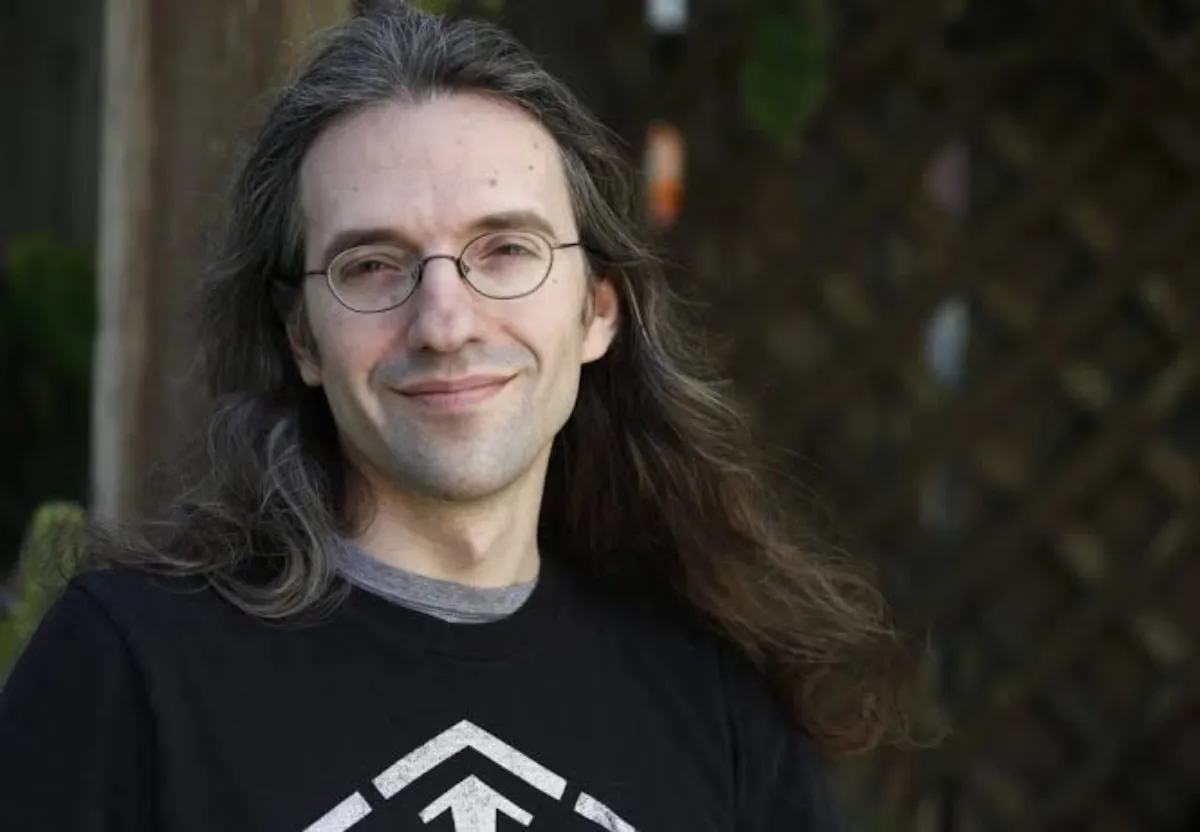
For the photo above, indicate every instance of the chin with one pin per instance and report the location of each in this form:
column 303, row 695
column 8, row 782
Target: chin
column 463, row 480
column 462, row 489
column 464, row 469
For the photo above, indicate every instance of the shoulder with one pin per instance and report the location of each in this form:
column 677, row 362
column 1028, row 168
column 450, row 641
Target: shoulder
column 652, row 623
column 120, row 589
column 148, row 607
column 673, row 632
column 782, row 778
column 676, row 642
column 779, row 776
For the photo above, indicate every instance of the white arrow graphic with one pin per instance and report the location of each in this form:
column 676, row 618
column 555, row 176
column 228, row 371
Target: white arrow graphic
column 475, row 806
column 453, row 740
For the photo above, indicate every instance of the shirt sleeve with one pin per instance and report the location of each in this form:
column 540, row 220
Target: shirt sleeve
column 780, row 784
column 74, row 728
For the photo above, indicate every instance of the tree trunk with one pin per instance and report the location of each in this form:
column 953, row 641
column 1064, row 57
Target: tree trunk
column 182, row 83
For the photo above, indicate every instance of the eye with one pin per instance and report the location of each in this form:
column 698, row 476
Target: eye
column 512, row 249
column 504, row 248
column 509, row 248
column 375, row 266
column 366, row 266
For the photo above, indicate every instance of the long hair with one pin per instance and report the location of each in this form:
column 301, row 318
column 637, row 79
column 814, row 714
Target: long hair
column 653, row 482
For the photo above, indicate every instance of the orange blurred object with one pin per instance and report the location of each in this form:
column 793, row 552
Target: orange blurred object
column 664, row 171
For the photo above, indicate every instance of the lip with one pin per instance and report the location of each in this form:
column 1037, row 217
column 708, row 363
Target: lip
column 454, row 392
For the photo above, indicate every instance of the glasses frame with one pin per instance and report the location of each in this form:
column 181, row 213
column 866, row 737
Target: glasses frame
column 460, row 267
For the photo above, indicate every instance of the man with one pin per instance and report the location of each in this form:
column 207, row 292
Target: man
column 470, row 546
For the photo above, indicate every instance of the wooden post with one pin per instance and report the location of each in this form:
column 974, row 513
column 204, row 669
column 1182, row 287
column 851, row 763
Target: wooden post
column 182, row 83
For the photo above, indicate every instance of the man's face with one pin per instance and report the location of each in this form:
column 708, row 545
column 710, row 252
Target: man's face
column 404, row 385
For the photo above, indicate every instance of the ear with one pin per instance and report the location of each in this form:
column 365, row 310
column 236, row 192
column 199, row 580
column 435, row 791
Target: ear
column 601, row 325
column 289, row 303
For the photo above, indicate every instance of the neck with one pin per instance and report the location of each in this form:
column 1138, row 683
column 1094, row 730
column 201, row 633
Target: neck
column 490, row 542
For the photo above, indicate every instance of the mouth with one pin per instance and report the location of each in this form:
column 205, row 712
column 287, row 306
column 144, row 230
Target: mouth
column 449, row 394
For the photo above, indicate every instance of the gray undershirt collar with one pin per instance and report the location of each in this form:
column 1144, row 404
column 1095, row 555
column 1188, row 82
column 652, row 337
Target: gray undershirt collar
column 453, row 602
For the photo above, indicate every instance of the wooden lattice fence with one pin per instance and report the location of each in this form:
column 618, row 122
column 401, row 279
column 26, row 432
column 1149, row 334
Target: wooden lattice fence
column 1031, row 169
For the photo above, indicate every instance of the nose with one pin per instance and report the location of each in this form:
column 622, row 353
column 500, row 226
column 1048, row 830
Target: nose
column 443, row 308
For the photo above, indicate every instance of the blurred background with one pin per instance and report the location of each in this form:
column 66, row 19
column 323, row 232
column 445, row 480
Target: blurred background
column 948, row 251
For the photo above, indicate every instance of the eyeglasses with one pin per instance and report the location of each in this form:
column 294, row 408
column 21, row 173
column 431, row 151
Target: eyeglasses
column 503, row 265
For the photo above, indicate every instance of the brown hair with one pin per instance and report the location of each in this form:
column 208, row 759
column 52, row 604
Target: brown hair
column 653, row 482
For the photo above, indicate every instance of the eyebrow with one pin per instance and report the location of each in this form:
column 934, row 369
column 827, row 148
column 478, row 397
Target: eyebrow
column 502, row 221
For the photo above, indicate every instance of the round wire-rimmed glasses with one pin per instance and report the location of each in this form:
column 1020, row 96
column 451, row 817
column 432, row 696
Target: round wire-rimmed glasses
column 503, row 265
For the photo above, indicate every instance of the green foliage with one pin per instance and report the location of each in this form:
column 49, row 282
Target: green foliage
column 47, row 325
column 490, row 8
column 49, row 556
column 8, row 648
column 785, row 78
column 435, row 6
column 48, row 292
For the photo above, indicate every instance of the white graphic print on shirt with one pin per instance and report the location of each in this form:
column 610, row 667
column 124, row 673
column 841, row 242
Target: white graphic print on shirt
column 472, row 804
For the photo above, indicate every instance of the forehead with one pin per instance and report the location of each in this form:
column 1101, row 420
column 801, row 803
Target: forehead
column 432, row 167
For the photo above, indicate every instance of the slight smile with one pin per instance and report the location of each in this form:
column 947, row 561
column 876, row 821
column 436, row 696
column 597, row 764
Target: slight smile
column 454, row 393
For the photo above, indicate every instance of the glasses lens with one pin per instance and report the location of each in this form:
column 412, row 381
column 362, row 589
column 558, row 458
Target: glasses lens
column 374, row 278
column 507, row 264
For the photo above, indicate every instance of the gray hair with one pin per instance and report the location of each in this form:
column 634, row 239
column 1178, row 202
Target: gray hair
column 654, row 486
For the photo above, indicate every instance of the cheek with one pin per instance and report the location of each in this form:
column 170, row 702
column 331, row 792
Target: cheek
column 551, row 325
column 350, row 347
column 557, row 342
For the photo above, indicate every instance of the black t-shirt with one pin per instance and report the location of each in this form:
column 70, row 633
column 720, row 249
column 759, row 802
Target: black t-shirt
column 148, row 704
